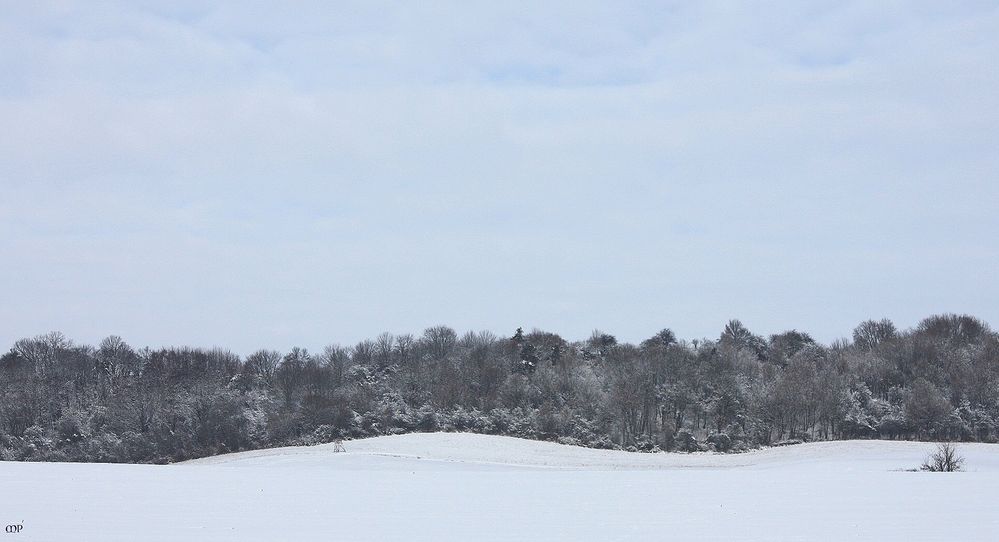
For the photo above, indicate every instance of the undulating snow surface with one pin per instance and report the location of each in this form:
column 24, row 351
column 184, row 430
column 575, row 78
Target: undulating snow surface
column 474, row 487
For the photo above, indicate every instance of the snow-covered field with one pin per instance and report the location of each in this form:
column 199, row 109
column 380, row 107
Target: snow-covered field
column 473, row 487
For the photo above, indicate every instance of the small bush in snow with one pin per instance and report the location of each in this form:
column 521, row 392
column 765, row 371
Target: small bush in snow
column 944, row 459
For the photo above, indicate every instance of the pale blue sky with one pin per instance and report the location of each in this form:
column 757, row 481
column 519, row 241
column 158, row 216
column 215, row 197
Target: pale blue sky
column 303, row 173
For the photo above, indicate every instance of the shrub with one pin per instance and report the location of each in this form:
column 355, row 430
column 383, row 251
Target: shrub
column 426, row 419
column 569, row 441
column 71, row 427
column 37, row 439
column 944, row 459
column 685, row 442
column 721, row 442
column 645, row 444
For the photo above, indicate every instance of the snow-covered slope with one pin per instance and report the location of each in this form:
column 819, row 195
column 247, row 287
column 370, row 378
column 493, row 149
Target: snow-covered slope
column 466, row 450
column 444, row 487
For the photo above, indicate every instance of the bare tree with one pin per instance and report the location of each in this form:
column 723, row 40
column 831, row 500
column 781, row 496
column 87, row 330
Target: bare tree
column 337, row 359
column 263, row 363
column 870, row 334
column 384, row 348
column 945, row 459
column 440, row 341
column 116, row 360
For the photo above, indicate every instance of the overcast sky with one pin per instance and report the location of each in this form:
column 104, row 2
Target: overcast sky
column 257, row 176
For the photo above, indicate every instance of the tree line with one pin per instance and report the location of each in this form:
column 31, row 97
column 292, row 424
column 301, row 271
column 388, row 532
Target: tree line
column 62, row 401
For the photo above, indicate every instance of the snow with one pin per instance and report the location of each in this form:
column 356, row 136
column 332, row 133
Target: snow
column 475, row 487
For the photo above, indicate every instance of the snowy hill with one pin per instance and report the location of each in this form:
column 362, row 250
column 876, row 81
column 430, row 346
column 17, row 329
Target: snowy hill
column 472, row 487
column 467, row 450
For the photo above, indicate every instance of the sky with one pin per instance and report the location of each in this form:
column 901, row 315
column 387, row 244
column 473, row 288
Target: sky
column 250, row 174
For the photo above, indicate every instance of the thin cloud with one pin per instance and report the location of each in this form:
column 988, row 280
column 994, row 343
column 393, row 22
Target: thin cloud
column 280, row 177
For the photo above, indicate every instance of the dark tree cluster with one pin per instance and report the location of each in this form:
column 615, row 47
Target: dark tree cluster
column 61, row 401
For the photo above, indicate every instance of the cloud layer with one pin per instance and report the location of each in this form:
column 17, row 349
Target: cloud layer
column 258, row 176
